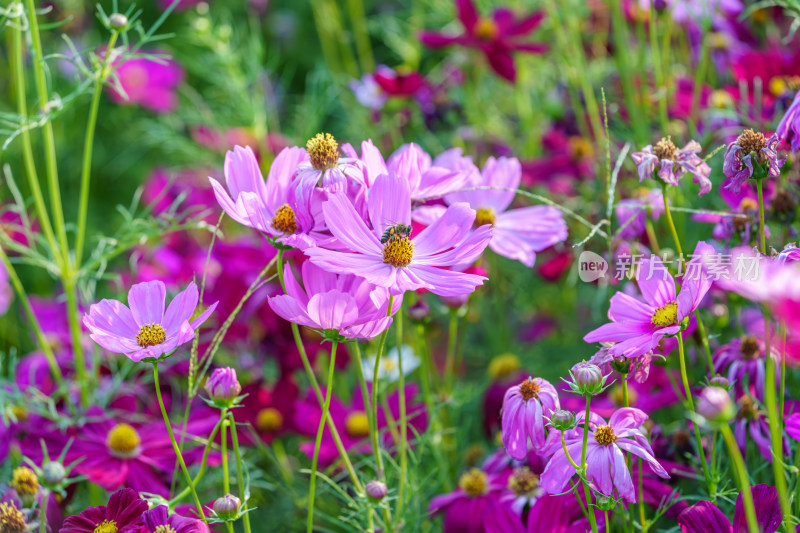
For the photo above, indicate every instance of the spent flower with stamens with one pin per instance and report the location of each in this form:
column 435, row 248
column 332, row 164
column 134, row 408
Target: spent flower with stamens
column 751, row 155
column 145, row 330
column 11, row 519
column 672, row 163
column 525, row 408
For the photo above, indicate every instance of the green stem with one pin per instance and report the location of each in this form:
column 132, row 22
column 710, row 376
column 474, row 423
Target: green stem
column 658, row 75
column 374, row 429
column 86, row 167
column 744, row 482
column 642, row 518
column 185, row 492
column 71, row 290
column 669, row 220
column 450, row 360
column 701, row 328
column 43, row 512
column 690, row 402
column 175, row 447
column 403, row 414
column 359, row 20
column 226, row 480
column 584, row 448
column 318, row 443
column 239, row 474
column 761, row 230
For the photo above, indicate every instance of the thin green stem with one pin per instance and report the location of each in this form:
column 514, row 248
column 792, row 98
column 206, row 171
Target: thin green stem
column 376, row 369
column 175, row 447
column 761, row 230
column 243, row 496
column 43, row 512
column 226, row 479
column 71, row 290
column 450, row 360
column 363, row 48
column 744, row 482
column 690, row 402
column 701, row 328
column 671, row 224
column 584, row 448
column 325, row 408
column 88, row 144
column 185, row 492
column 403, row 414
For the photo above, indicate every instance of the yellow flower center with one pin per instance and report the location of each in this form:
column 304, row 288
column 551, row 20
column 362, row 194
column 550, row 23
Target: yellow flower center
column 357, row 424
column 11, row 519
column 106, row 526
column 665, row 148
column 503, row 366
column 269, row 420
column 123, row 441
column 284, row 220
column 529, row 389
column 25, row 482
column 398, row 252
column 604, row 435
column 323, row 151
column 666, row 315
column 484, row 216
column 580, row 148
column 751, row 141
column 721, row 99
column 164, row 529
column 783, row 84
column 485, row 29
column 473, row 482
column 523, row 481
column 150, row 335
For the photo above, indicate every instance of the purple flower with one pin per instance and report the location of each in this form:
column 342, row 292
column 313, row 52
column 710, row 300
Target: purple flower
column 368, row 93
column 748, row 151
column 632, row 213
column 146, row 330
column 672, row 163
column 346, row 304
column 788, row 129
column 123, row 514
column 6, row 292
column 605, row 458
column 743, row 360
column 402, row 263
column 268, row 206
column 705, row 517
column 465, row 507
column 151, row 84
column 158, row 520
column 222, row 385
column 751, row 425
column 525, row 407
column 636, row 326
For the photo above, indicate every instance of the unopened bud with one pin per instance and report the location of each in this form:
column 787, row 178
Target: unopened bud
column 588, row 378
column 715, row 405
column 53, row 473
column 222, row 386
column 118, row 21
column 227, row 507
column 604, row 503
column 719, row 381
column 376, row 490
column 562, row 420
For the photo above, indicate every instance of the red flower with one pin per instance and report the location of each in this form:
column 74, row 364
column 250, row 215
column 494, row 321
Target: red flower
column 497, row 37
column 123, row 514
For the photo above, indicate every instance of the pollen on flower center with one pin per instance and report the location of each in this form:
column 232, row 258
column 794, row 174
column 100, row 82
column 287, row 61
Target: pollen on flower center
column 523, row 481
column 665, row 148
column 750, row 141
column 778, row 85
column 284, row 220
column 666, row 315
column 106, row 526
column 25, row 482
column 123, row 441
column 473, row 482
column 580, row 148
column 11, row 519
column 164, row 529
column 529, row 389
column 750, row 348
column 503, row 366
column 484, row 216
column 323, row 151
column 604, row 435
column 485, row 29
column 269, row 420
column 151, row 335
column 357, row 424
column 398, row 252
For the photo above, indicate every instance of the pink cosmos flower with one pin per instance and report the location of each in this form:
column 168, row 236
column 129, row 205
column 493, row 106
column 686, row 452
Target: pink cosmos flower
column 525, row 408
column 550, row 514
column 402, row 263
column 146, row 330
column 606, row 469
column 788, row 129
column 705, row 517
column 268, row 206
column 399, row 83
column 465, row 508
column 123, row 513
column 672, row 163
column 158, row 520
column 751, row 149
column 637, row 326
column 346, row 303
column 497, row 37
column 149, row 83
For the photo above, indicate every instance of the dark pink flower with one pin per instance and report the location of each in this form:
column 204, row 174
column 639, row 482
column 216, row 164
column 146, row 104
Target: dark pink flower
column 464, row 508
column 123, row 514
column 149, row 83
column 158, row 520
column 705, row 517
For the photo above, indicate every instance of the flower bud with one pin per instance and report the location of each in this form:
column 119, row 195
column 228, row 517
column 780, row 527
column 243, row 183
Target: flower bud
column 222, row 386
column 719, row 381
column 621, row 365
column 715, row 405
column 227, row 507
column 53, row 473
column 376, row 490
column 587, row 378
column 605, row 503
column 118, row 21
column 562, row 420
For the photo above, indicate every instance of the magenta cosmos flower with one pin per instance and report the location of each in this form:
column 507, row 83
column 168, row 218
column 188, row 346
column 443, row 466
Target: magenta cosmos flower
column 497, row 37
column 788, row 129
column 748, row 151
column 637, row 326
column 402, row 263
column 268, row 206
column 608, row 441
column 149, row 83
column 672, row 163
column 465, row 508
column 146, row 330
column 158, row 520
column 516, row 233
column 525, row 408
column 6, row 292
column 346, row 304
column 123, row 514
column 705, row 517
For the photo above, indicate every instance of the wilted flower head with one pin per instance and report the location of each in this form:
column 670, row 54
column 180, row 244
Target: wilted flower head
column 751, row 155
column 525, row 407
column 672, row 163
column 11, row 519
column 146, row 330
